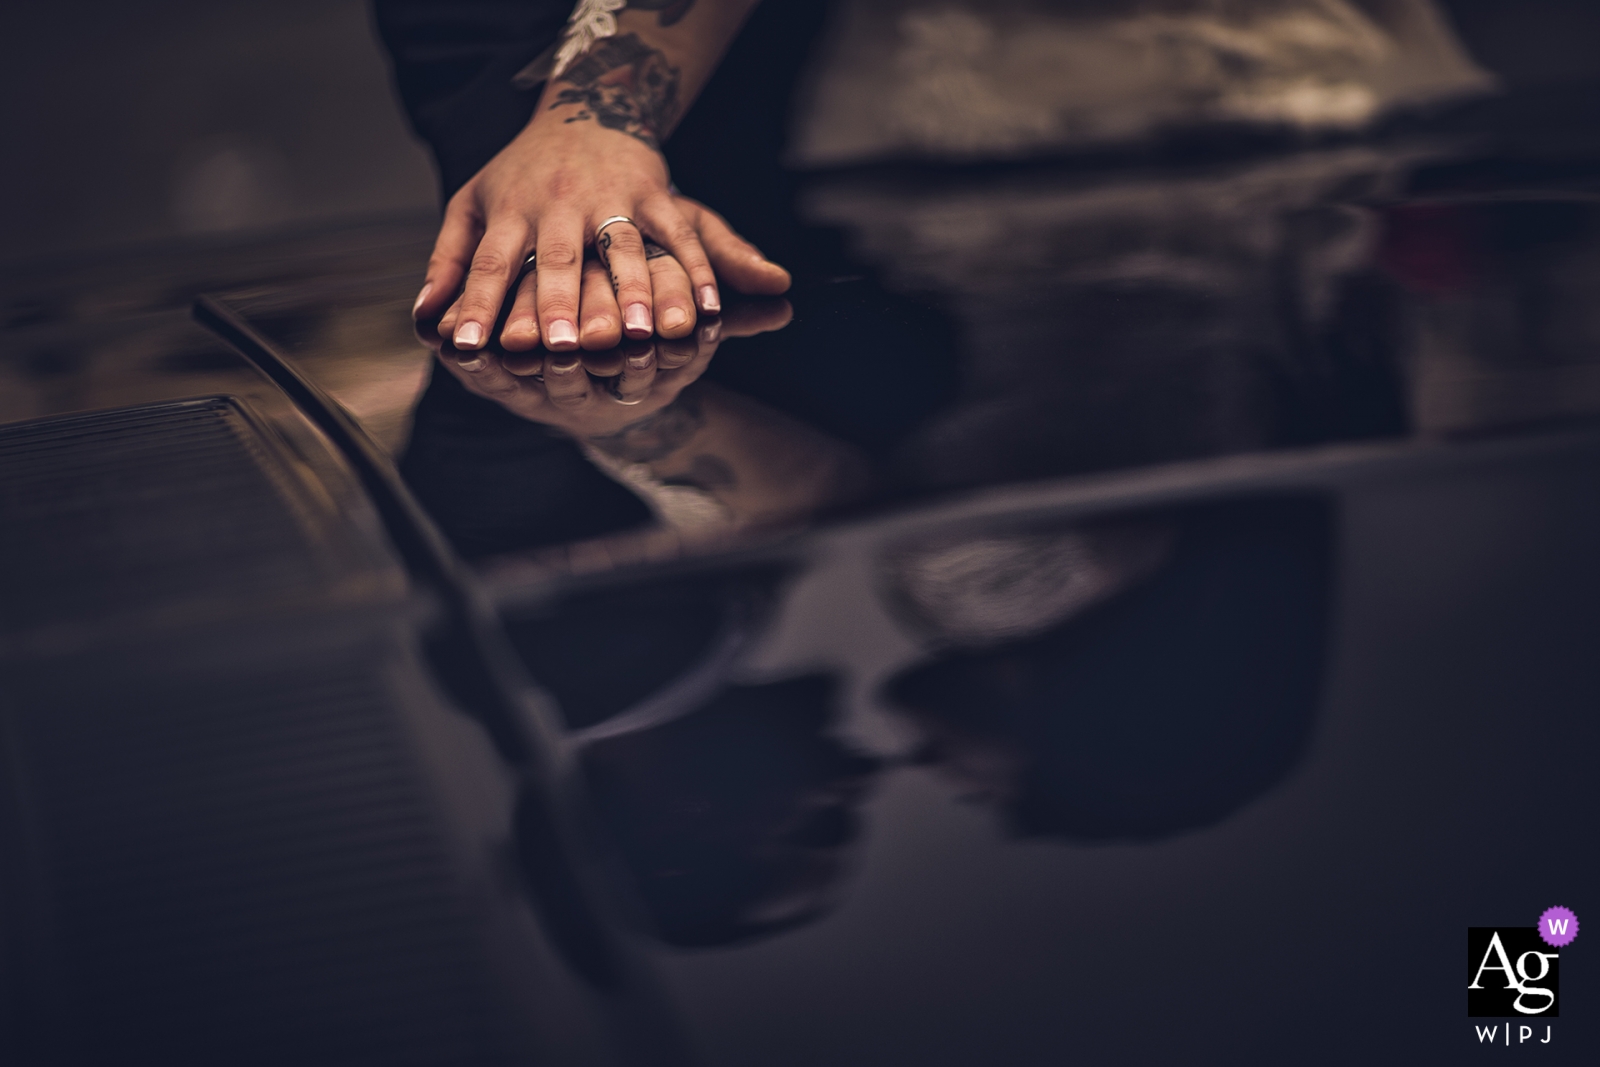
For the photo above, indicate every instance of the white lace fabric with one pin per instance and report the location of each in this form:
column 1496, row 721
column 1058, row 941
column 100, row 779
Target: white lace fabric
column 591, row 20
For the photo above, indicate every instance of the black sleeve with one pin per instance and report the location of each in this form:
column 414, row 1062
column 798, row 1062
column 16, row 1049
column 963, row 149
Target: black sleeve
column 453, row 61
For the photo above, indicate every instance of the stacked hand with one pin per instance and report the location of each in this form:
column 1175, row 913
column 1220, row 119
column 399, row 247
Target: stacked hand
column 587, row 173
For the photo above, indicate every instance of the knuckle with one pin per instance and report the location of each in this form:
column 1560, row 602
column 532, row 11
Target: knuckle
column 667, row 265
column 442, row 261
column 560, row 254
column 635, row 289
column 491, row 261
column 563, row 184
column 477, row 297
column 679, row 231
column 691, row 256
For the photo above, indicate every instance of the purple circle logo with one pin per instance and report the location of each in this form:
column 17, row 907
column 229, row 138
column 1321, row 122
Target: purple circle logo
column 1558, row 926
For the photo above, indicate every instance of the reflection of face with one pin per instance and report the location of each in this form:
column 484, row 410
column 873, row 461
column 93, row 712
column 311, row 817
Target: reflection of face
column 985, row 770
column 737, row 820
column 809, row 850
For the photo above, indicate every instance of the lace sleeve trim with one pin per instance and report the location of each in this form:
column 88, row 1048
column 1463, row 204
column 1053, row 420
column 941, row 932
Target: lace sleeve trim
column 591, row 21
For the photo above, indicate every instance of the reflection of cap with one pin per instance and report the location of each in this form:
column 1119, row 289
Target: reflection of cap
column 1165, row 709
column 982, row 589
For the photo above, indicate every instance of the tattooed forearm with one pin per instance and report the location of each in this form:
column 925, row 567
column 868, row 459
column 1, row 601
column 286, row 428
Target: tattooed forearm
column 670, row 10
column 623, row 84
column 655, row 436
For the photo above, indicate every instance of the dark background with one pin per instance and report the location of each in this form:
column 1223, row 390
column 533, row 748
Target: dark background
column 131, row 122
column 135, row 122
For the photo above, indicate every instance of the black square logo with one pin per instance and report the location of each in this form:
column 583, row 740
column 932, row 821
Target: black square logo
column 1511, row 973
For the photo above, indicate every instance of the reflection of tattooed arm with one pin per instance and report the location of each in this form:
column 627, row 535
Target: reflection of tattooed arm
column 655, row 436
column 761, row 465
column 623, row 84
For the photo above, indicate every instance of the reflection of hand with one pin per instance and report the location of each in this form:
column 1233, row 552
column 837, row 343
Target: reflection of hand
column 596, row 394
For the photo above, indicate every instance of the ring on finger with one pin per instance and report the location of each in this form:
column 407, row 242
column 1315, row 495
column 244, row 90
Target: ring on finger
column 601, row 242
column 616, row 394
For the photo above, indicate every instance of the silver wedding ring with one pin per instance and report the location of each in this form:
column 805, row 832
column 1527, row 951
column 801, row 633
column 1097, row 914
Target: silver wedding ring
column 600, row 248
column 612, row 221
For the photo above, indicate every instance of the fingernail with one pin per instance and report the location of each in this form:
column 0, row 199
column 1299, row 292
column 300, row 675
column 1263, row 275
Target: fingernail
column 637, row 318
column 639, row 362
column 565, row 366
column 562, row 332
column 475, row 363
column 710, row 332
column 708, row 300
column 469, row 335
column 426, row 289
column 672, row 318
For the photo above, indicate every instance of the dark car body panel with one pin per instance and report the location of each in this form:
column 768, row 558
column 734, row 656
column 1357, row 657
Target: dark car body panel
column 1303, row 521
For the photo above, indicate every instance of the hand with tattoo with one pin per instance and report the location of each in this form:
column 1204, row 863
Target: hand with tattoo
column 591, row 153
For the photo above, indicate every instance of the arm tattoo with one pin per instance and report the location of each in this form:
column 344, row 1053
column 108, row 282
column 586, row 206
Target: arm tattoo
column 623, row 84
column 591, row 21
column 655, row 436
